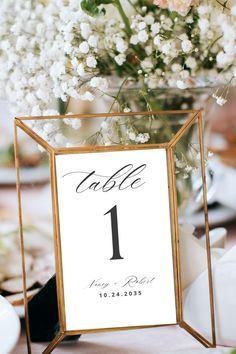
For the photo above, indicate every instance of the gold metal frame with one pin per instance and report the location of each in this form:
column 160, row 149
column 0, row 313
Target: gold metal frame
column 195, row 117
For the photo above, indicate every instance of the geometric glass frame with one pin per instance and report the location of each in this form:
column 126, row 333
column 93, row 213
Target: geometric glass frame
column 194, row 117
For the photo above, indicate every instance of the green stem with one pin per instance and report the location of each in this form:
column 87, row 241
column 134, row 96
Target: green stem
column 214, row 42
column 224, row 5
column 118, row 94
column 134, row 7
column 62, row 107
column 124, row 17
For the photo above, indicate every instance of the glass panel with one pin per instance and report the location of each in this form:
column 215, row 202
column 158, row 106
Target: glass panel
column 133, row 129
column 38, row 241
column 192, row 234
column 114, row 130
column 138, row 99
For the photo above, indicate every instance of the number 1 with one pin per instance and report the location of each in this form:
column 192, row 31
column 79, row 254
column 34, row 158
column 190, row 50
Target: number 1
column 115, row 233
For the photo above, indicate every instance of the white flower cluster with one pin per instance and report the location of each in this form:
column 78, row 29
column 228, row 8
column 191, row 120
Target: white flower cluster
column 46, row 52
column 179, row 57
column 189, row 162
column 52, row 49
column 185, row 166
column 53, row 131
column 140, row 138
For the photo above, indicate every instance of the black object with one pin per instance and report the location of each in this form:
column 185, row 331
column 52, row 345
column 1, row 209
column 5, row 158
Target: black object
column 43, row 314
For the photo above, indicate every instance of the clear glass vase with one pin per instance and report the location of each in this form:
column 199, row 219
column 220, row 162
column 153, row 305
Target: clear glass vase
column 142, row 99
column 160, row 128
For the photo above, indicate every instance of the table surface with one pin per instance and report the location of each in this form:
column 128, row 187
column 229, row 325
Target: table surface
column 144, row 341
column 166, row 340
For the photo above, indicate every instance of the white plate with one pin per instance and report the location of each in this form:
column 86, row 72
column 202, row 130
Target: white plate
column 9, row 326
column 20, row 310
column 38, row 174
column 217, row 216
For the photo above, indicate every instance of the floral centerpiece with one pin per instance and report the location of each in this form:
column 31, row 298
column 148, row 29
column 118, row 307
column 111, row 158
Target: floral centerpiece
column 68, row 48
column 62, row 49
column 80, row 49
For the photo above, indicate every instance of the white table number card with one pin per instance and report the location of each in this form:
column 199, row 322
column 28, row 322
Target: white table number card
column 116, row 243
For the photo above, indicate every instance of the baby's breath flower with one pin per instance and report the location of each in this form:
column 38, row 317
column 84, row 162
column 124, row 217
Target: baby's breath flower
column 155, row 27
column 91, row 61
column 141, row 25
column 85, row 30
column 121, row 45
column 142, row 36
column 147, row 64
column 132, row 136
column 142, row 138
column 188, row 169
column 59, row 139
column 157, row 40
column 84, row 47
column 87, row 96
column 176, row 68
column 203, row 25
column 149, row 19
column 221, row 101
column 80, row 69
column 74, row 123
column 186, row 46
column 93, row 41
column 48, row 128
column 99, row 83
column 181, row 85
column 220, row 95
column 134, row 39
column 233, row 10
column 120, row 59
column 191, row 63
column 105, row 125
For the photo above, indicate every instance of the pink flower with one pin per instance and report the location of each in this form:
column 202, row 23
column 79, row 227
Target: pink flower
column 181, row 6
column 163, row 4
